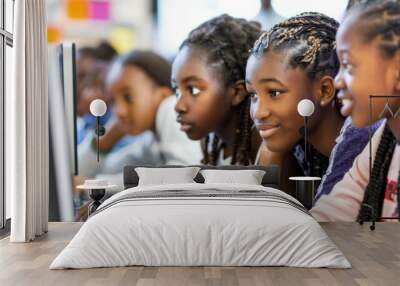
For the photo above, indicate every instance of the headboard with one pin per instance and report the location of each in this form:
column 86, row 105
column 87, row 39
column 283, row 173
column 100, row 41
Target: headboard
column 270, row 179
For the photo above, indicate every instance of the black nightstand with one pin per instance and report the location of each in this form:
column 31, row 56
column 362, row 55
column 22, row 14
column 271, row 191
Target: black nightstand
column 96, row 193
column 305, row 189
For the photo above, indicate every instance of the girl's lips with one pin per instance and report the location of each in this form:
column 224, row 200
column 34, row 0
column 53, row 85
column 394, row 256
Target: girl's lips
column 267, row 131
column 185, row 127
column 347, row 106
column 347, row 103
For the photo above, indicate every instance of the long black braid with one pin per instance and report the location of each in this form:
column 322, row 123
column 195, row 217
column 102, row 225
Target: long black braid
column 215, row 148
column 226, row 41
column 380, row 19
column 398, row 189
column 206, row 155
column 375, row 191
column 240, row 151
column 309, row 41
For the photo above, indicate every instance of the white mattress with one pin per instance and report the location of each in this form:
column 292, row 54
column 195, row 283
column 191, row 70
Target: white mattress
column 189, row 231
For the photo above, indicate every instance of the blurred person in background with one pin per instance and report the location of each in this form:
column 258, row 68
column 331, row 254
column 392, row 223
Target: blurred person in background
column 139, row 84
column 91, row 68
column 267, row 16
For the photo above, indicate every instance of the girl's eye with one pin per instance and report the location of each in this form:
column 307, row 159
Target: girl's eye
column 274, row 93
column 253, row 95
column 126, row 98
column 177, row 92
column 193, row 90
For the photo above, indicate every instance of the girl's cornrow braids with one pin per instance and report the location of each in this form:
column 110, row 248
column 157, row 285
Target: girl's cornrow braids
column 261, row 43
column 226, row 39
column 313, row 33
column 311, row 53
column 230, row 67
column 381, row 19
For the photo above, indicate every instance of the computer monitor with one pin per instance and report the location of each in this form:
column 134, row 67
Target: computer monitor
column 62, row 133
column 67, row 57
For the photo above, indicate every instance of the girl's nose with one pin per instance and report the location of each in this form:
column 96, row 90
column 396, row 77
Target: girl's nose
column 181, row 105
column 259, row 110
column 339, row 82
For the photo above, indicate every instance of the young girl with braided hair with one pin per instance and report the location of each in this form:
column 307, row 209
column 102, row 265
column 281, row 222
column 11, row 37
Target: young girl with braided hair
column 208, row 78
column 368, row 46
column 297, row 60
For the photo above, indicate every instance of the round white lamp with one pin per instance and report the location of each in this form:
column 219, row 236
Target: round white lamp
column 305, row 186
column 305, row 108
column 98, row 108
column 97, row 188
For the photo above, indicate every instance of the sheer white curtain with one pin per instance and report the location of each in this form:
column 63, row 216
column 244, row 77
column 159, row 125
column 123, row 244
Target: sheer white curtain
column 27, row 124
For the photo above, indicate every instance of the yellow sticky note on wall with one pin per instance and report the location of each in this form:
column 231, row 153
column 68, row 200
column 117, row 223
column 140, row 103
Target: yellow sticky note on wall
column 77, row 9
column 54, row 35
column 122, row 39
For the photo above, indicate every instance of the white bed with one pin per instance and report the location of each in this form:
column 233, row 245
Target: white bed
column 224, row 225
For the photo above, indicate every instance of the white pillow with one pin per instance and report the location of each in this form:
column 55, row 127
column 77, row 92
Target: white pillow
column 248, row 177
column 163, row 176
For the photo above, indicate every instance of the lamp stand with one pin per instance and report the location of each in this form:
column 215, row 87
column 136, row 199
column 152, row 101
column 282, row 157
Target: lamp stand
column 305, row 138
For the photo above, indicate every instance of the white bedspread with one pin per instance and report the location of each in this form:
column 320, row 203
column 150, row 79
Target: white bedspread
column 183, row 231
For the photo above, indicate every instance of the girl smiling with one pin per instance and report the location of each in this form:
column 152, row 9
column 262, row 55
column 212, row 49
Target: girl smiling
column 297, row 60
column 368, row 44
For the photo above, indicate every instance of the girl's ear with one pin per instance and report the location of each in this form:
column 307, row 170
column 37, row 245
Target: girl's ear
column 239, row 92
column 326, row 91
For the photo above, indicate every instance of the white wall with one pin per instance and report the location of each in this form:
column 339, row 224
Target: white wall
column 289, row 8
column 178, row 17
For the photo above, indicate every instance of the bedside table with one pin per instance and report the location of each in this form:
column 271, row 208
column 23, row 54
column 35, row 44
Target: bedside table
column 305, row 189
column 96, row 195
column 97, row 191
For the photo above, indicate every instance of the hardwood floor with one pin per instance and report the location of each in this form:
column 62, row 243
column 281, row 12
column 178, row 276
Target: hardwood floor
column 375, row 257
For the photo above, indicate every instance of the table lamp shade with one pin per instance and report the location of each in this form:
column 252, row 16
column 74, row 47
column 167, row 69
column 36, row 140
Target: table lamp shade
column 98, row 107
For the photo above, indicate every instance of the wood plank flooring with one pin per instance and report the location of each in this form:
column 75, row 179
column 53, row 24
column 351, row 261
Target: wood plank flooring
column 375, row 257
